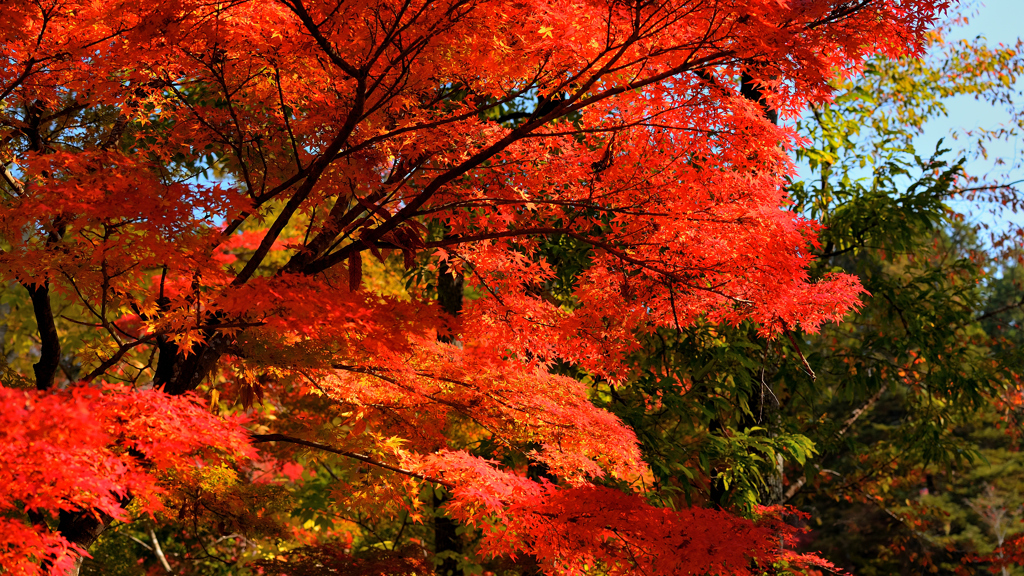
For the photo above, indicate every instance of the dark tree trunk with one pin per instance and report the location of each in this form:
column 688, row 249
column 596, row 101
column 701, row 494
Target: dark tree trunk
column 80, row 529
column 49, row 349
column 767, row 408
column 446, row 538
column 177, row 373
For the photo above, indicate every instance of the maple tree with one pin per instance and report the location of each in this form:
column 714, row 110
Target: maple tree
column 386, row 228
column 886, row 426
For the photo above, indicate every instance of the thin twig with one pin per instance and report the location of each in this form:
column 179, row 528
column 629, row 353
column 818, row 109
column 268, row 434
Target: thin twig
column 140, row 542
column 159, row 552
column 259, row 438
column 800, row 353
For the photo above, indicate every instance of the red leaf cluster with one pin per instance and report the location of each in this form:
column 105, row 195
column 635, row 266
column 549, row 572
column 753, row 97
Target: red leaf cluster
column 91, row 450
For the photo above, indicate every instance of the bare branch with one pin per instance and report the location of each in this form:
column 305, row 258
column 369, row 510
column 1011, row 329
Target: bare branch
column 260, row 438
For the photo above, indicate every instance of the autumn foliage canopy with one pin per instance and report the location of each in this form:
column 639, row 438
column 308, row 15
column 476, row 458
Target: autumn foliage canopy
column 387, row 228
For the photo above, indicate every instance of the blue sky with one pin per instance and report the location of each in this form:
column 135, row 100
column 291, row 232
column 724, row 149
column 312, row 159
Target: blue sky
column 998, row 21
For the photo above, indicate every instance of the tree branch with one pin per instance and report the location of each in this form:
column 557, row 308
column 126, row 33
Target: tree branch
column 260, row 438
column 159, row 551
column 807, row 365
column 49, row 350
column 796, row 486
